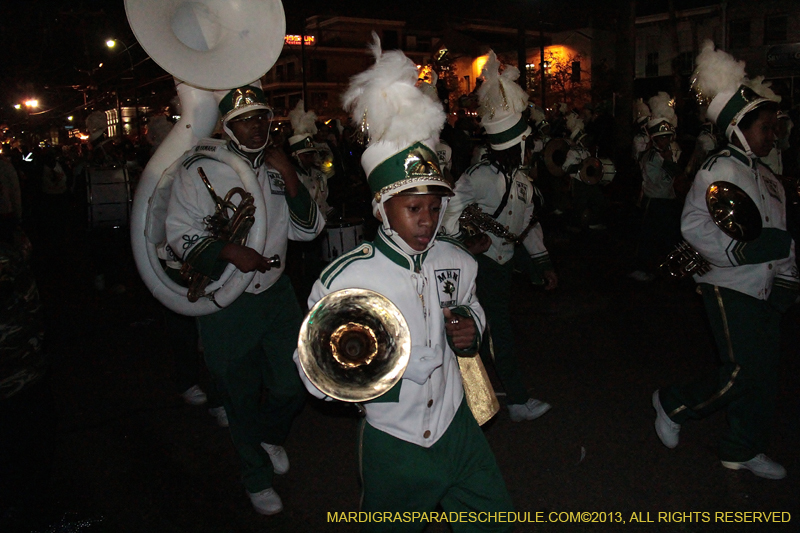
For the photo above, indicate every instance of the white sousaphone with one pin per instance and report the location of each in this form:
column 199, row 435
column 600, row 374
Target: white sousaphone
column 210, row 47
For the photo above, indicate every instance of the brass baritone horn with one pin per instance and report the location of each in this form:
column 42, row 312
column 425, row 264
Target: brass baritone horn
column 733, row 211
column 232, row 228
column 354, row 345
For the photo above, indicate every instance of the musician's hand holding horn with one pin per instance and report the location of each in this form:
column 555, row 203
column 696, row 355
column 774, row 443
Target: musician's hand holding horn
column 246, row 259
column 460, row 329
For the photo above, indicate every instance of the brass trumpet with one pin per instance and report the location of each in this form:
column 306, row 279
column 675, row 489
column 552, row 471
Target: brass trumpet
column 354, row 345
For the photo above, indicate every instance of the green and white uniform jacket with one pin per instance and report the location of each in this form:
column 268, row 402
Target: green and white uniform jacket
column 755, row 268
column 421, row 406
column 190, row 203
column 485, row 185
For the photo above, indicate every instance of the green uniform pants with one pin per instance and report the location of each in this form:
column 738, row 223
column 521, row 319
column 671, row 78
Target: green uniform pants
column 248, row 349
column 459, row 472
column 494, row 294
column 747, row 334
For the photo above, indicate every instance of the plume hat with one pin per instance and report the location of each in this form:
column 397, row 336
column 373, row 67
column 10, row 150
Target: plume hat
column 663, row 120
column 721, row 80
column 502, row 102
column 304, row 127
column 401, row 125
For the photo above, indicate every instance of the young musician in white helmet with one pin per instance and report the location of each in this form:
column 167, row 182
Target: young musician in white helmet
column 504, row 192
column 249, row 344
column 751, row 282
column 660, row 226
column 420, row 445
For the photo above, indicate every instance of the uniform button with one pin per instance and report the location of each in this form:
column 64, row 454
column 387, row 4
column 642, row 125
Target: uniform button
column 426, row 434
column 499, row 257
column 766, row 218
column 430, row 402
column 509, row 214
column 762, row 196
column 769, row 266
column 258, row 285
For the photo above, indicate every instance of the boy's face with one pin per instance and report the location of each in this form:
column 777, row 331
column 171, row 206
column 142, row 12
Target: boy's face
column 414, row 218
column 761, row 134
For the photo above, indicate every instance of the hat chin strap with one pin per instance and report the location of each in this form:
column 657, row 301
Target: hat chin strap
column 747, row 150
column 240, row 145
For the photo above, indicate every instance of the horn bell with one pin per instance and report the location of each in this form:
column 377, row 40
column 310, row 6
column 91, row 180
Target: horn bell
column 210, row 44
column 733, row 211
column 354, row 345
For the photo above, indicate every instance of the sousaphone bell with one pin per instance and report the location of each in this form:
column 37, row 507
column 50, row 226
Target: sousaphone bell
column 354, row 345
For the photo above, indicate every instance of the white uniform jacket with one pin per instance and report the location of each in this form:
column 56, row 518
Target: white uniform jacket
column 316, row 182
column 575, row 157
column 747, row 267
column 485, row 185
column 657, row 181
column 421, row 406
column 190, row 203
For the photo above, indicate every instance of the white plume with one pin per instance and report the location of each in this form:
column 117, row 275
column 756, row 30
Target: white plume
column 640, row 109
column 662, row 106
column 563, row 108
column 302, row 121
column 574, row 123
column 537, row 114
column 500, row 93
column 396, row 110
column 717, row 71
column 762, row 88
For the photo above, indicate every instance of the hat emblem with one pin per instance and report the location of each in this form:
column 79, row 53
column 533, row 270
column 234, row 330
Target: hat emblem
column 244, row 97
column 417, row 165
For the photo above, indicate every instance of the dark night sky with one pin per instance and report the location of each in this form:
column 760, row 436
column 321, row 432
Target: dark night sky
column 52, row 45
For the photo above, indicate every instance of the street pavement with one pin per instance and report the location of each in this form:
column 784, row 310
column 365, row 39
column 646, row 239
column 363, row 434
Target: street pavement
column 131, row 456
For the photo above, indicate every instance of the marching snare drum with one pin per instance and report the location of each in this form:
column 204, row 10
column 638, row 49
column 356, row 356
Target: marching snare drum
column 341, row 236
column 108, row 196
column 609, row 171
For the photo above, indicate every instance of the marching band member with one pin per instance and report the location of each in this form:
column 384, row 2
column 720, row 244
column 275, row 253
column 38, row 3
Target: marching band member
column 588, row 201
column 660, row 226
column 504, row 192
column 641, row 140
column 708, row 141
column 774, row 160
column 750, row 283
column 443, row 150
column 249, row 344
column 306, row 156
column 420, row 446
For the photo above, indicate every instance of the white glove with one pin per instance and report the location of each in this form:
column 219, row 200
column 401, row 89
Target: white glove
column 423, row 362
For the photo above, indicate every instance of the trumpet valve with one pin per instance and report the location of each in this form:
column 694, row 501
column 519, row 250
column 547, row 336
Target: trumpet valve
column 353, row 345
column 274, row 261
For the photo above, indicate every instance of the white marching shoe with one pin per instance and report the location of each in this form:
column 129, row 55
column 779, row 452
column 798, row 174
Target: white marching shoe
column 278, row 456
column 760, row 465
column 266, row 502
column 530, row 410
column 666, row 429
